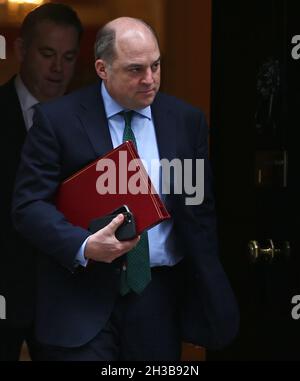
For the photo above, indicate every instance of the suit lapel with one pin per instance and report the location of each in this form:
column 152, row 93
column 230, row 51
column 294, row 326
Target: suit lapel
column 93, row 117
column 165, row 128
column 17, row 129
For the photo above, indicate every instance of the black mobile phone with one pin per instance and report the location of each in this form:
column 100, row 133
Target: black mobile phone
column 121, row 209
column 125, row 232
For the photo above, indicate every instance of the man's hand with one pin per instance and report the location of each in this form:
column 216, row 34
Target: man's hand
column 103, row 246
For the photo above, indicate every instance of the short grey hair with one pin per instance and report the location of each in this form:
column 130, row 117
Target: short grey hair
column 105, row 44
column 104, row 47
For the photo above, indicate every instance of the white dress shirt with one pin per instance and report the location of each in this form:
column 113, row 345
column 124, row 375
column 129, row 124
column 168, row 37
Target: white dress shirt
column 27, row 101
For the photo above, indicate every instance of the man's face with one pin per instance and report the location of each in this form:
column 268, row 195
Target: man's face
column 48, row 61
column 133, row 78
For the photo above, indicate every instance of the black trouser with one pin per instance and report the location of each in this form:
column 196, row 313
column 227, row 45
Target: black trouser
column 142, row 327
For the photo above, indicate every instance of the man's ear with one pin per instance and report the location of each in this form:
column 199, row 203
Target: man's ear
column 19, row 48
column 101, row 69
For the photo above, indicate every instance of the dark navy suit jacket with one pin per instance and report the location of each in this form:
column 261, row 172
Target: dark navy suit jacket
column 73, row 306
column 17, row 257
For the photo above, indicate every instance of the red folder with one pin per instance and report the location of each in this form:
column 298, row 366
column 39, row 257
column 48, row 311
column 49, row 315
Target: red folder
column 79, row 197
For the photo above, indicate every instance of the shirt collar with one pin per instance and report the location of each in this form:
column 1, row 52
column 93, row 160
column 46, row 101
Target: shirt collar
column 112, row 107
column 27, row 100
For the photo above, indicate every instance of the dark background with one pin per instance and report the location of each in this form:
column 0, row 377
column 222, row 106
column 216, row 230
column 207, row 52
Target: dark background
column 246, row 35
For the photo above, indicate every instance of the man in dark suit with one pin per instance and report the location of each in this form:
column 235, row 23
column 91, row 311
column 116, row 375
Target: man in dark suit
column 81, row 314
column 47, row 49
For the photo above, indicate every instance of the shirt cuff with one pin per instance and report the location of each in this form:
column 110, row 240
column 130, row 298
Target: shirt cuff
column 80, row 258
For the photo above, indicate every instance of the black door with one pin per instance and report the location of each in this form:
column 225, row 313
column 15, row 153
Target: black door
column 255, row 102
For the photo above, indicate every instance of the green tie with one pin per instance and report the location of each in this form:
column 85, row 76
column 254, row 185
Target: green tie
column 136, row 272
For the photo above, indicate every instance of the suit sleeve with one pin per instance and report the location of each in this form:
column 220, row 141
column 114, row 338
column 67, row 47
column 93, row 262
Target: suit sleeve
column 33, row 210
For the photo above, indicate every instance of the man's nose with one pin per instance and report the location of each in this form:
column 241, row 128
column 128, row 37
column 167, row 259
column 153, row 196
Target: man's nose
column 148, row 77
column 57, row 65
